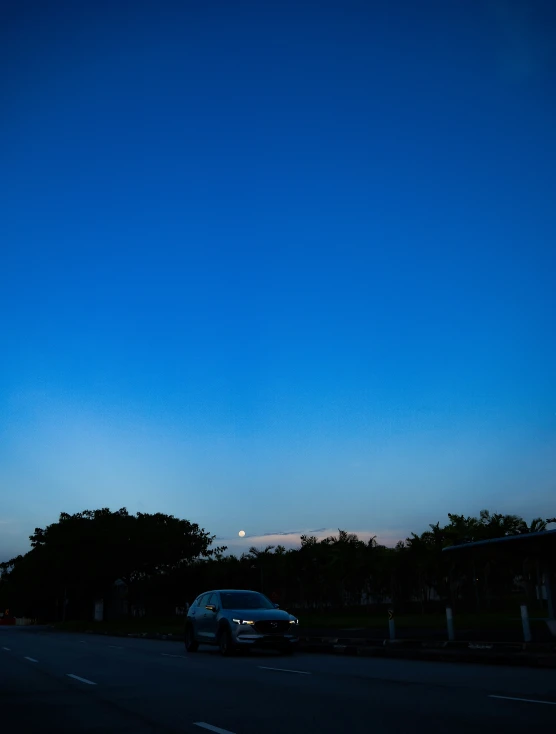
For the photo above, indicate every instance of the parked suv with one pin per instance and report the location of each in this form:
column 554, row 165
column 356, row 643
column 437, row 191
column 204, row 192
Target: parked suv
column 236, row 620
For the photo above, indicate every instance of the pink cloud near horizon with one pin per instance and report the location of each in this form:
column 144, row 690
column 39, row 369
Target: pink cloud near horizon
column 237, row 545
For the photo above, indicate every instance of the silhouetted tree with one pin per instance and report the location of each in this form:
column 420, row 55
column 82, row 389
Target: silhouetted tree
column 82, row 555
column 165, row 562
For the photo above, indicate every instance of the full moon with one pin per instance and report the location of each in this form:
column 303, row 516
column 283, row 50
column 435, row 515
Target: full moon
column 241, row 533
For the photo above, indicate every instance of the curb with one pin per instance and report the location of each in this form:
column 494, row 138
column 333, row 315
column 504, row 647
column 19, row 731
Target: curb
column 520, row 654
column 535, row 655
column 137, row 635
column 433, row 644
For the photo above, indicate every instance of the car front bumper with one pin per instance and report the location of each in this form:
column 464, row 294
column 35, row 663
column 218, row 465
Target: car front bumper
column 268, row 641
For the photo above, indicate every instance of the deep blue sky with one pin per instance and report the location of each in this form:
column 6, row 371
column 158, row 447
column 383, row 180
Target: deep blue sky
column 280, row 266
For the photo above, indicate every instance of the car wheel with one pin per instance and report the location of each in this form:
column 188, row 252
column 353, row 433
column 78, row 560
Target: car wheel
column 191, row 644
column 225, row 642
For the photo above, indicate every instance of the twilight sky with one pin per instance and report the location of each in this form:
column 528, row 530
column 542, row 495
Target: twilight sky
column 279, row 266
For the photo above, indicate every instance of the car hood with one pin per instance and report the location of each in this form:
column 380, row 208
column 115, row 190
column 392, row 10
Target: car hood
column 257, row 615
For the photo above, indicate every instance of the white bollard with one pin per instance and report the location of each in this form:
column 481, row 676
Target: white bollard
column 391, row 624
column 450, row 623
column 525, row 623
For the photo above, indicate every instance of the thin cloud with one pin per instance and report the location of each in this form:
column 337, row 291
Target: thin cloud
column 292, row 532
column 292, row 539
column 280, row 533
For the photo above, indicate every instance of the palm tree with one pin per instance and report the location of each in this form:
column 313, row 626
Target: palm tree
column 260, row 558
column 538, row 525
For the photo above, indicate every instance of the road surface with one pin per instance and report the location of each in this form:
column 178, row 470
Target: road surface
column 59, row 682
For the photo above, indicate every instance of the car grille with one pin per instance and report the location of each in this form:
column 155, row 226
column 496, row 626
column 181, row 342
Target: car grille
column 270, row 627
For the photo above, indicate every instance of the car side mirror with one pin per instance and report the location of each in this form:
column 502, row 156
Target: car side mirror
column 210, row 607
column 276, row 606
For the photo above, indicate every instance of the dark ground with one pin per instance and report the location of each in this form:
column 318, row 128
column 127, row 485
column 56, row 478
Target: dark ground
column 153, row 686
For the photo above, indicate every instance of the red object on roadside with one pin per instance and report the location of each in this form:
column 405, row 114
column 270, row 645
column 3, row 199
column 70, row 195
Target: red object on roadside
column 6, row 618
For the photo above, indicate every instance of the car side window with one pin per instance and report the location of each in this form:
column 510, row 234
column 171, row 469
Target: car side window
column 203, row 600
column 213, row 599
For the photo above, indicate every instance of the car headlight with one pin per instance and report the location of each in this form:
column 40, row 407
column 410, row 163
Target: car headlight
column 243, row 621
column 294, row 621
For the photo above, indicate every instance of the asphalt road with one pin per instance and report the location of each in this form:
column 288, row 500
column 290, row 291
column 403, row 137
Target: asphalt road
column 59, row 682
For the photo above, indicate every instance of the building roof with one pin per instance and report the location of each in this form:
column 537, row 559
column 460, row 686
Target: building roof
column 545, row 535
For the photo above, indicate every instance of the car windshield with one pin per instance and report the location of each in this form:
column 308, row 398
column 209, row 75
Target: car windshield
column 247, row 600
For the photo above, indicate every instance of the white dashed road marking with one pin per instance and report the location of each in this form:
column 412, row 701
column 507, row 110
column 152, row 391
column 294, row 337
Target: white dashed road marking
column 167, row 655
column 210, row 727
column 32, row 660
column 6, row 648
column 117, row 647
column 525, row 700
column 83, row 680
column 285, row 670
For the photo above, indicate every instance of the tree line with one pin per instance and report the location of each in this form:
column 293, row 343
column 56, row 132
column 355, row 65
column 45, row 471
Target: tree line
column 163, row 562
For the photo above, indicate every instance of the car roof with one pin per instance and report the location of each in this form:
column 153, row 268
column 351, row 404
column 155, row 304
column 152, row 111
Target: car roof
column 230, row 591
